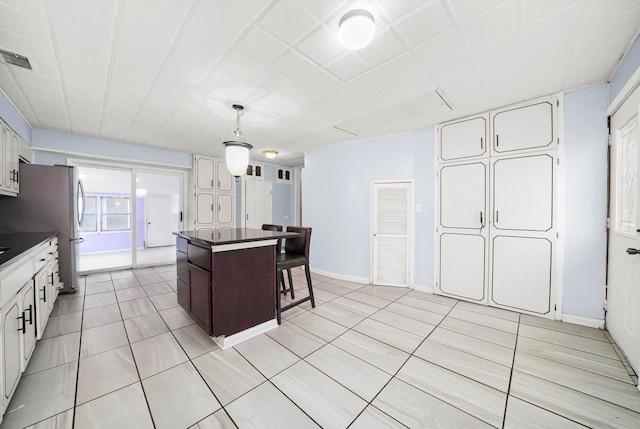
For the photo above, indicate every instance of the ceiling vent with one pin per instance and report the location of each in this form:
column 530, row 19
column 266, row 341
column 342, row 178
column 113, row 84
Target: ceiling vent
column 16, row 59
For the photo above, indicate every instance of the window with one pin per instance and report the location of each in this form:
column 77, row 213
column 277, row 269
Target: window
column 116, row 213
column 90, row 221
column 284, row 176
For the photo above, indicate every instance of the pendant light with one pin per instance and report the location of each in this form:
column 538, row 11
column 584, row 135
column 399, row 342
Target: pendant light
column 237, row 148
column 356, row 29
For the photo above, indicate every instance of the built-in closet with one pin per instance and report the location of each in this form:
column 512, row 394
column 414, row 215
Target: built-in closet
column 496, row 211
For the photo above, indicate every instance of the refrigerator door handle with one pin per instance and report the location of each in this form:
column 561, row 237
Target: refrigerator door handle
column 81, row 214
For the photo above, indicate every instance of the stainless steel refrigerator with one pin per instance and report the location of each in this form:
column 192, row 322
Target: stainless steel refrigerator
column 51, row 198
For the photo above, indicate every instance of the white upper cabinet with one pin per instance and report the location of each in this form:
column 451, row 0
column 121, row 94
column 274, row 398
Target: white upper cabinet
column 525, row 127
column 205, row 173
column 464, row 138
column 225, row 179
column 204, row 208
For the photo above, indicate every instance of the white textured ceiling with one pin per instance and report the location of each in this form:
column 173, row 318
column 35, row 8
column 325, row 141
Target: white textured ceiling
column 163, row 73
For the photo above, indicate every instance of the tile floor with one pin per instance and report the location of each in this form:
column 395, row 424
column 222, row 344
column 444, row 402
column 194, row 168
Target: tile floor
column 122, row 354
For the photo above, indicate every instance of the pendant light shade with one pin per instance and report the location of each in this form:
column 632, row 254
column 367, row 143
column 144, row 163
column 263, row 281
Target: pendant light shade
column 356, row 29
column 237, row 148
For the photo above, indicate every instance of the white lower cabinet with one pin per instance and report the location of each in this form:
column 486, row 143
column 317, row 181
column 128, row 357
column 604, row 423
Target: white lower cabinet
column 11, row 345
column 27, row 294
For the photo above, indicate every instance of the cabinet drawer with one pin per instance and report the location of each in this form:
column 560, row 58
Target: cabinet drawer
column 182, row 266
column 199, row 256
column 181, row 244
column 41, row 258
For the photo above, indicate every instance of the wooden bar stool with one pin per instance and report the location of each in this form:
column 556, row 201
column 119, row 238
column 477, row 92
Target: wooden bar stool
column 296, row 254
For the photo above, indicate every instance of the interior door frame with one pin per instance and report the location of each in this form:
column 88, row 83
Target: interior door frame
column 410, row 232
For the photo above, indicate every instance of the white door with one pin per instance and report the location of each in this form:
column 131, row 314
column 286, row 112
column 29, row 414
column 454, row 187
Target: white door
column 161, row 221
column 257, row 203
column 623, row 291
column 392, row 229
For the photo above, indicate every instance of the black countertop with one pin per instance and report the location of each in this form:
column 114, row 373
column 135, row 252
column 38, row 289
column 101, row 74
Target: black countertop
column 232, row 235
column 18, row 243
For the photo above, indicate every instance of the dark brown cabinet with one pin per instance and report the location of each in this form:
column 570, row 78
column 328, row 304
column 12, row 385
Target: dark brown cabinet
column 200, row 297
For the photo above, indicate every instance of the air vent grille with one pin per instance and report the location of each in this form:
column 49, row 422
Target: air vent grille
column 16, row 59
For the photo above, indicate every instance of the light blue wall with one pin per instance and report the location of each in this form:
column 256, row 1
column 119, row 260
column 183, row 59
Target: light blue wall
column 627, row 68
column 336, row 200
column 585, row 201
column 11, row 116
column 93, row 147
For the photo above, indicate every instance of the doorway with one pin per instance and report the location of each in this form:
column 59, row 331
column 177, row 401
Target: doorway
column 130, row 217
column 392, row 229
column 623, row 296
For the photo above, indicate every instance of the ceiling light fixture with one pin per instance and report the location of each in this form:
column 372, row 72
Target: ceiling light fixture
column 237, row 148
column 270, row 153
column 356, row 29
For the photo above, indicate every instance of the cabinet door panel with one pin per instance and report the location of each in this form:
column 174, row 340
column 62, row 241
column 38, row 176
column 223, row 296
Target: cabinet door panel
column 26, row 298
column 523, row 193
column 522, row 273
column 463, row 195
column 462, row 266
column 11, row 348
column 205, row 173
column 200, row 297
column 225, row 179
column 225, row 209
column 14, row 163
column 43, row 296
column 463, row 139
column 3, row 160
column 204, row 208
column 526, row 127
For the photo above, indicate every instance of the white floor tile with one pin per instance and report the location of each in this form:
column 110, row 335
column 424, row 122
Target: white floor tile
column 179, row 398
column 102, row 338
column 124, row 408
column 266, row 355
column 104, row 373
column 157, row 354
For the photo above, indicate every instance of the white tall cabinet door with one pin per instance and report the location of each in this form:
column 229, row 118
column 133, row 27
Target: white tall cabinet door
column 4, row 133
column 225, row 209
column 205, row 173
column 464, row 138
column 529, row 126
column 462, row 266
column 463, row 238
column 523, row 193
column 225, row 179
column 463, row 195
column 204, row 208
column 623, row 289
column 392, row 223
column 15, row 163
column 522, row 274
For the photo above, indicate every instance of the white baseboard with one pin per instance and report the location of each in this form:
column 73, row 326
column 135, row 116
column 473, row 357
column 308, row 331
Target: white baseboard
column 584, row 321
column 428, row 289
column 230, row 341
column 341, row 276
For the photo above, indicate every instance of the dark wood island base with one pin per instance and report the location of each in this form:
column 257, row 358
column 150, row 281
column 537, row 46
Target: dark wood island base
column 227, row 281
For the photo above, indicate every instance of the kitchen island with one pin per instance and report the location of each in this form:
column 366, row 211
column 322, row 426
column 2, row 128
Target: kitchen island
column 226, row 281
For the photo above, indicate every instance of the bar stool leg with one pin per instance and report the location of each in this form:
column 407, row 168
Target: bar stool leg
column 309, row 285
column 290, row 283
column 279, row 279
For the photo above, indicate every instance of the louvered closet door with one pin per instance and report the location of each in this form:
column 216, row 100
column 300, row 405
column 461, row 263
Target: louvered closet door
column 391, row 233
column 462, row 232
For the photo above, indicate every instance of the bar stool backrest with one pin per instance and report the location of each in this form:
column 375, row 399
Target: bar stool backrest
column 270, row 227
column 299, row 245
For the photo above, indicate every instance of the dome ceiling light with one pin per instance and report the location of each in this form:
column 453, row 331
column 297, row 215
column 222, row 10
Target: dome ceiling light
column 356, row 29
column 270, row 153
column 237, row 148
